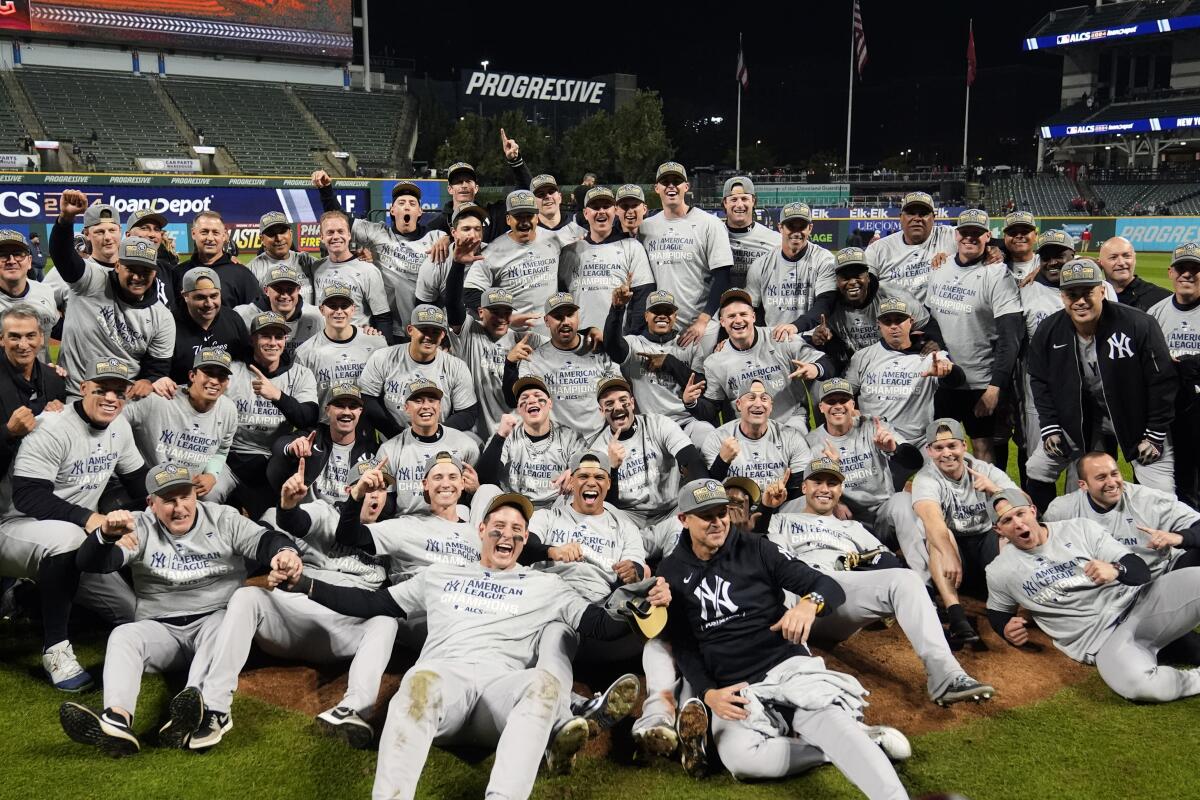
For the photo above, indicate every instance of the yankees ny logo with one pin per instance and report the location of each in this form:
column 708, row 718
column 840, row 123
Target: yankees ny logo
column 716, row 596
column 1119, row 346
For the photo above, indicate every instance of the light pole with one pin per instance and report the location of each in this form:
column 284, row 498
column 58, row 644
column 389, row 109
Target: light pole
column 483, row 64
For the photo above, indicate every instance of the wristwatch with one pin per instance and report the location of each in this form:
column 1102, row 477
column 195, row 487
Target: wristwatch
column 817, row 599
column 1120, row 568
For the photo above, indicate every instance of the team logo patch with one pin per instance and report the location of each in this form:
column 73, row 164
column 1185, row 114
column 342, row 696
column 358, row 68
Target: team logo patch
column 711, row 490
column 894, row 305
column 112, row 367
column 170, row 473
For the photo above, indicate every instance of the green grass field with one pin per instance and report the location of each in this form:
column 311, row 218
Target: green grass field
column 1083, row 743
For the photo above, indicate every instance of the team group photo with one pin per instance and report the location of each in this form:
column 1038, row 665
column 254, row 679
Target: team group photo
column 383, row 420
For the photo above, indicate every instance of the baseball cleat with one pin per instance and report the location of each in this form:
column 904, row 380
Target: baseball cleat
column 609, row 707
column 107, row 730
column 565, row 744
column 961, row 633
column 963, row 688
column 655, row 740
column 64, row 670
column 212, row 728
column 893, row 743
column 346, row 724
column 184, row 715
column 691, row 729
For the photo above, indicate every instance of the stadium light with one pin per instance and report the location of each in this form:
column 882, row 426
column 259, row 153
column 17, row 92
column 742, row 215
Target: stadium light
column 484, row 64
column 716, row 120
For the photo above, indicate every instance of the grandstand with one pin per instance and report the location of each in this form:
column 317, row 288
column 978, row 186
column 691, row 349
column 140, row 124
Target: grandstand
column 373, row 127
column 1041, row 194
column 12, row 131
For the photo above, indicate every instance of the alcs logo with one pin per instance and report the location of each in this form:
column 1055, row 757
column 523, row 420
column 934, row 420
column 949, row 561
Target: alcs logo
column 19, row 204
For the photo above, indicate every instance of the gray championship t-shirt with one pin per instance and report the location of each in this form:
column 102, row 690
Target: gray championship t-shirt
column 336, row 362
column 485, row 361
column 408, row 456
column 302, row 327
column 966, row 301
column 398, row 258
column 907, row 265
column 762, row 460
column 786, row 288
column 858, row 328
column 606, row 539
column 683, row 253
column 1139, row 505
column 173, row 430
column 262, row 264
column 1049, row 581
column 364, row 281
column 529, row 467
column 890, row 384
column 868, row 483
column 748, row 246
column 77, row 458
column 572, row 378
column 657, row 391
column 963, row 506
column 97, row 326
column 415, row 541
column 1180, row 328
column 591, row 272
column 326, row 560
column 487, row 617
column 260, row 422
column 770, row 362
column 649, row 476
column 528, row 271
column 819, row 540
column 389, row 370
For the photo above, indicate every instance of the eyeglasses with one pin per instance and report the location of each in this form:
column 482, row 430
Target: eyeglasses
column 14, row 256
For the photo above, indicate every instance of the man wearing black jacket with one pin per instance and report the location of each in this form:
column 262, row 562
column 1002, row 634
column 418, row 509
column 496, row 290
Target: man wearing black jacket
column 238, row 284
column 745, row 653
column 1119, row 262
column 203, row 320
column 27, row 386
column 1101, row 376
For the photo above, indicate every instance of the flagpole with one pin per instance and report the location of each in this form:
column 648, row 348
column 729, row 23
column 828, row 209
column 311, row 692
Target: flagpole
column 737, row 153
column 967, row 109
column 850, row 100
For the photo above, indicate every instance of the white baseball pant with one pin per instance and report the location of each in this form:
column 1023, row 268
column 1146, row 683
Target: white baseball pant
column 152, row 646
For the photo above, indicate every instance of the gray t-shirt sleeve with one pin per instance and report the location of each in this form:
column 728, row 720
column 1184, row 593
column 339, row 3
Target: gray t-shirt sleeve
column 409, row 595
column 371, row 379
column 374, row 293
column 462, row 385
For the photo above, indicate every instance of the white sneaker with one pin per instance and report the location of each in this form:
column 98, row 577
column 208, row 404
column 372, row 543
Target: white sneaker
column 893, row 743
column 64, row 670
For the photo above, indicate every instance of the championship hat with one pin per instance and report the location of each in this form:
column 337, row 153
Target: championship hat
column 460, row 167
column 109, row 369
column 193, row 276
column 560, row 300
column 530, row 382
column 661, row 298
column 12, row 241
column 853, row 258
column 336, row 291
column 1019, row 219
column 213, row 357
column 791, row 211
column 973, row 218
column 497, row 298
column 1080, row 272
column 892, row 305
column 408, row 188
column 138, row 252
column 735, row 296
column 701, row 495
column 268, row 319
column 144, row 215
column 426, row 315
column 513, row 499
column 824, row 466
column 343, row 389
column 670, row 168
column 1054, row 239
column 469, row 210
column 442, row 457
column 167, row 476
column 630, row 190
column 598, row 193
column 609, row 384
column 420, row 386
column 747, row 485
column 913, row 199
column 746, row 385
column 272, row 219
column 284, row 273
column 835, row 386
column 1186, row 253
column 541, row 182
column 520, row 202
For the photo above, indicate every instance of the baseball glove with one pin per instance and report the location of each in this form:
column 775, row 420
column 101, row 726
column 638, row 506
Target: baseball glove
column 857, row 561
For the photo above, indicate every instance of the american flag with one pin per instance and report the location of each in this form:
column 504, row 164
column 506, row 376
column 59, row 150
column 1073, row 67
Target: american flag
column 743, row 74
column 860, row 40
column 971, row 55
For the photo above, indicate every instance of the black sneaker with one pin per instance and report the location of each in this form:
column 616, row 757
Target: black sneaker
column 107, row 730
column 961, row 633
column 184, row 716
column 346, row 724
column 214, row 726
column 965, row 687
column 612, row 705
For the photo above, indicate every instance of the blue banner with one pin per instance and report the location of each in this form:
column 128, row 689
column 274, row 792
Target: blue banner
column 1147, row 125
column 1143, row 28
column 1161, row 234
column 433, row 194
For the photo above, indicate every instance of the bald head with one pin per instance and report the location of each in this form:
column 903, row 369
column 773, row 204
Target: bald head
column 1119, row 261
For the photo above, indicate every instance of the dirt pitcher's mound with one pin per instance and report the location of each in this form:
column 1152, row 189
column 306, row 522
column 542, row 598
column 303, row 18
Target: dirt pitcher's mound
column 882, row 660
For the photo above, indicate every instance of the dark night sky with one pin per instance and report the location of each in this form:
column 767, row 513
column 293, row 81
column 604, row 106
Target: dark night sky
column 911, row 95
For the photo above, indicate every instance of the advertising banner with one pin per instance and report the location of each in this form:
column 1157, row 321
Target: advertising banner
column 433, row 193
column 168, row 164
column 20, row 161
column 1161, row 234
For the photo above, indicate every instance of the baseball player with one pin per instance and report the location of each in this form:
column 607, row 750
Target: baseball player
column 281, row 287
column 571, row 372
column 273, row 395
column 793, row 282
column 741, row 649
column 865, row 448
column 49, row 501
column 594, row 266
column 474, row 681
column 954, row 542
column 101, row 238
column 339, row 353
column 212, row 250
column 202, row 320
column 1020, row 240
column 28, row 385
column 755, row 446
column 186, row 558
column 524, row 263
column 16, row 286
column 1151, row 524
column 1179, row 318
column 750, row 352
column 904, row 257
column 426, row 436
column 550, row 216
column 978, row 310
column 895, row 379
column 529, row 453
column 484, row 344
column 343, row 268
column 631, row 209
column 399, row 249
column 330, row 451
column 875, row 582
column 434, row 275
column 748, row 239
column 278, row 239
column 287, row 625
column 462, row 184
column 664, row 374
column 390, row 369
column 150, row 224
column 1102, row 371
column 853, row 323
column 195, row 428
column 1093, row 598
column 689, row 252
column 111, row 314
column 650, row 456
